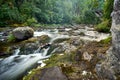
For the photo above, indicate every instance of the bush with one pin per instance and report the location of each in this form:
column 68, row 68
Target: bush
column 107, row 40
column 31, row 22
column 11, row 38
column 103, row 27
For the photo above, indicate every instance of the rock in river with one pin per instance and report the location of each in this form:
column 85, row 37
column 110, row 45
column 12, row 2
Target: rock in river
column 53, row 73
column 22, row 33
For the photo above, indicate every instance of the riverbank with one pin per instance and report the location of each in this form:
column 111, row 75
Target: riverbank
column 70, row 48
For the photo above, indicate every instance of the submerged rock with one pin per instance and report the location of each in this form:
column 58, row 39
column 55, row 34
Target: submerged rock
column 22, row 33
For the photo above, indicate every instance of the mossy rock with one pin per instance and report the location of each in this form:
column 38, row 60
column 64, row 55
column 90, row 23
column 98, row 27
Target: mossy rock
column 43, row 39
column 59, row 40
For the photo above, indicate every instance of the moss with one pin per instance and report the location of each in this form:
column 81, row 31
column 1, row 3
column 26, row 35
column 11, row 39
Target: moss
column 11, row 38
column 54, row 60
column 61, row 40
column 103, row 27
column 32, row 75
column 67, row 69
column 57, row 59
column 107, row 40
column 5, row 49
column 118, row 77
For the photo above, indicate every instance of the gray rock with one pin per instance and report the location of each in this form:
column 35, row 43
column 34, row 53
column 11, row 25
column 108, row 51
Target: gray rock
column 43, row 39
column 22, row 33
column 53, row 73
column 115, row 30
column 110, row 68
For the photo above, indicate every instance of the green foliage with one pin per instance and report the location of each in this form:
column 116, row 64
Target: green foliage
column 89, row 17
column 106, row 41
column 85, row 11
column 108, row 8
column 103, row 27
column 11, row 38
column 32, row 74
column 57, row 60
column 35, row 12
column 11, row 13
column 31, row 22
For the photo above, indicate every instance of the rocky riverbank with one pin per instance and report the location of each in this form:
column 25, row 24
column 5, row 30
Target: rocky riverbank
column 79, row 63
column 74, row 52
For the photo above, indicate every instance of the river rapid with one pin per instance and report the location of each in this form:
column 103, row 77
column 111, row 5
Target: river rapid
column 15, row 66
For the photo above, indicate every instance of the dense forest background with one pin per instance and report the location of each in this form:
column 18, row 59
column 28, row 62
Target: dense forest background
column 34, row 12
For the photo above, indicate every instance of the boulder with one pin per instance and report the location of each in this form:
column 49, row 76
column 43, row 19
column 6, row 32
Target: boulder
column 43, row 39
column 53, row 73
column 23, row 33
column 110, row 68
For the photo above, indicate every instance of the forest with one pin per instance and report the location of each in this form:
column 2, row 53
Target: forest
column 36, row 12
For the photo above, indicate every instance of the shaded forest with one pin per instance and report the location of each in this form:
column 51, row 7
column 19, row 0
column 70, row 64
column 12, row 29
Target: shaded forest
column 35, row 12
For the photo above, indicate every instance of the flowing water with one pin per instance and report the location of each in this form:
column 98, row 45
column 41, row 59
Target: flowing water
column 14, row 67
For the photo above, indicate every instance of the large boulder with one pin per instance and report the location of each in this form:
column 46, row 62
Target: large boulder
column 53, row 73
column 110, row 68
column 22, row 33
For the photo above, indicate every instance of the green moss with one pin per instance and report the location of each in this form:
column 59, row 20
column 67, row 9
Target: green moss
column 61, row 40
column 32, row 75
column 57, row 60
column 11, row 38
column 103, row 27
column 54, row 60
column 107, row 40
column 67, row 69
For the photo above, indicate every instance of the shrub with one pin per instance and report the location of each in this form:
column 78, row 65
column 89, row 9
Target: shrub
column 11, row 38
column 103, row 27
column 107, row 40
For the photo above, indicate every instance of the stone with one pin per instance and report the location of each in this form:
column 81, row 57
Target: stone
column 110, row 68
column 87, row 56
column 23, row 33
column 53, row 73
column 43, row 39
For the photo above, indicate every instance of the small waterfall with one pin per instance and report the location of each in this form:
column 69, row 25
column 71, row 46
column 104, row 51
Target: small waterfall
column 14, row 67
column 17, row 51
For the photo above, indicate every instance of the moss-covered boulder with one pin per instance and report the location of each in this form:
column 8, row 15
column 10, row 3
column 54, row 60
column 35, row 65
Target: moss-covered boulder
column 43, row 39
column 23, row 33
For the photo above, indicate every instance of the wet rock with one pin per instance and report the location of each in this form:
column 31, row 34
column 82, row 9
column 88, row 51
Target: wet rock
column 76, row 41
column 59, row 40
column 53, row 73
column 59, row 49
column 43, row 39
column 22, row 33
column 28, row 48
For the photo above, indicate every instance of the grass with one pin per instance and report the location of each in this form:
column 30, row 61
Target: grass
column 11, row 38
column 103, row 27
column 32, row 75
column 57, row 60
column 107, row 40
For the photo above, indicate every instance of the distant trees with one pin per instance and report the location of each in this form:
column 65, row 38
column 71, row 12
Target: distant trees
column 13, row 11
column 26, row 12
